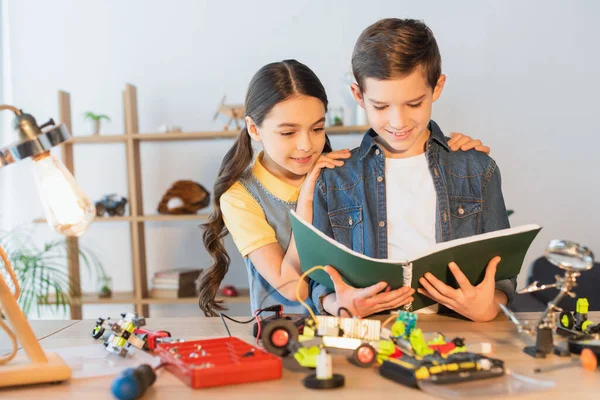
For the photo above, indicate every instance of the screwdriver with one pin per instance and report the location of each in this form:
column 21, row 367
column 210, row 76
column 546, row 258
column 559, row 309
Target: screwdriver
column 588, row 361
column 132, row 383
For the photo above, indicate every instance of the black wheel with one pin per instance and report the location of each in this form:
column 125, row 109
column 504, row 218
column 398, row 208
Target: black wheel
column 100, row 209
column 120, row 210
column 567, row 320
column 97, row 332
column 111, row 212
column 364, row 356
column 277, row 335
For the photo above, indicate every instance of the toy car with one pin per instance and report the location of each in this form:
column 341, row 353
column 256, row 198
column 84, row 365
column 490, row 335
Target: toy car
column 297, row 320
column 359, row 336
column 120, row 336
column 111, row 204
column 99, row 329
column 577, row 321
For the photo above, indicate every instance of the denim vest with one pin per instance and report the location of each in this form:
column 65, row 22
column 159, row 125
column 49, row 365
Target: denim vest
column 262, row 294
column 350, row 202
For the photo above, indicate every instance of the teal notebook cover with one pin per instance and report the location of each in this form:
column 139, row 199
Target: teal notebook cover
column 472, row 255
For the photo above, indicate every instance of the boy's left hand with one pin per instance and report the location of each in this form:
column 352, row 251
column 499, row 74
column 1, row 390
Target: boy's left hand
column 458, row 141
column 475, row 302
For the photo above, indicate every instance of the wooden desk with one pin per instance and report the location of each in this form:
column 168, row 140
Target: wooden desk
column 42, row 330
column 365, row 384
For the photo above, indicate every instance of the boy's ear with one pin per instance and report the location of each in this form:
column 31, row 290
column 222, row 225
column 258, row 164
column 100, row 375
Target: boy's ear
column 437, row 91
column 253, row 129
column 357, row 93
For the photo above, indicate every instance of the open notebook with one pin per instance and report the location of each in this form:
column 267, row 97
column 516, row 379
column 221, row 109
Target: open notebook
column 472, row 255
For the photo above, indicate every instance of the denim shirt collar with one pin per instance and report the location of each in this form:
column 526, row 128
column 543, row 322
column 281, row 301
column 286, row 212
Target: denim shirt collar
column 437, row 136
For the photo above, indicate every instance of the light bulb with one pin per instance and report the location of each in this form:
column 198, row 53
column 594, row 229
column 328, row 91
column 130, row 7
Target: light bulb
column 68, row 210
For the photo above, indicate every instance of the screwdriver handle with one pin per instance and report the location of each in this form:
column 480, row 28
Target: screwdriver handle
column 132, row 383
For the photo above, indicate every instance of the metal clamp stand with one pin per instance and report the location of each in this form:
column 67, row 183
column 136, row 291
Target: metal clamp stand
column 572, row 258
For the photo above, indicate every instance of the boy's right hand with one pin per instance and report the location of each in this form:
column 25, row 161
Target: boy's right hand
column 370, row 300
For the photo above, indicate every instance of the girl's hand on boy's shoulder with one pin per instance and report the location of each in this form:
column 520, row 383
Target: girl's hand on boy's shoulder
column 458, row 141
column 328, row 160
column 475, row 302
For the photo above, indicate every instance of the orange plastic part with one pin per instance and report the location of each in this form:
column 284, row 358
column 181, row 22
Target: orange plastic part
column 589, row 361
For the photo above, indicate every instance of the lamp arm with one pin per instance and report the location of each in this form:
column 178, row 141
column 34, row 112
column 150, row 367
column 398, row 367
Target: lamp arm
column 11, row 272
column 11, row 108
column 18, row 322
column 9, row 333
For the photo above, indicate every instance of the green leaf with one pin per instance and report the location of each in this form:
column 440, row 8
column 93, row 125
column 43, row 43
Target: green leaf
column 88, row 115
column 42, row 271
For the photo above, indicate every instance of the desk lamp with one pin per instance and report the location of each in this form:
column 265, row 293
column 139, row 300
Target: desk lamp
column 68, row 212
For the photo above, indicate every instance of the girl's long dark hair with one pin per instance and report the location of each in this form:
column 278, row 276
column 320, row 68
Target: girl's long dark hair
column 271, row 85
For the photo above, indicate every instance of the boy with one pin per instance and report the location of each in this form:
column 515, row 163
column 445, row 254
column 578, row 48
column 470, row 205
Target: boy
column 403, row 190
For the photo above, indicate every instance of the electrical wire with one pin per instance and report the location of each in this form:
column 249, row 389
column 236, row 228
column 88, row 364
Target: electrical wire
column 266, row 296
column 392, row 316
column 310, row 311
column 223, row 316
column 275, row 289
column 256, row 313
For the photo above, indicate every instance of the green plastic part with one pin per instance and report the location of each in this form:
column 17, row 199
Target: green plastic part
column 307, row 356
column 398, row 329
column 418, row 343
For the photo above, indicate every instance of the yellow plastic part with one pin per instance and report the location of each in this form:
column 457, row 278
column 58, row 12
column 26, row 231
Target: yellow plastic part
column 422, row 373
column 308, row 331
column 385, row 348
column 439, row 339
column 398, row 329
column 582, row 306
column 307, row 356
column 586, row 324
column 452, row 367
column 436, row 369
column 418, row 343
column 460, row 349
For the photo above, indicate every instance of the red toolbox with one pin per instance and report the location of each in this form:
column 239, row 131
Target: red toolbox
column 218, row 362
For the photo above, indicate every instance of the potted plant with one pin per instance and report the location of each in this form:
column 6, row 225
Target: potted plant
column 105, row 285
column 95, row 120
column 41, row 271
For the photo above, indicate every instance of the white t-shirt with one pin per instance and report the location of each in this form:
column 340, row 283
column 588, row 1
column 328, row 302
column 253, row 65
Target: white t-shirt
column 410, row 206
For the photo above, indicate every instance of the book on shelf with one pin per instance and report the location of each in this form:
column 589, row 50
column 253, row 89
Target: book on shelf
column 184, row 292
column 472, row 255
column 178, row 273
column 175, row 280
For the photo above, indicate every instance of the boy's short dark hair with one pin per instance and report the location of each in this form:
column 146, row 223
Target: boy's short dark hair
column 393, row 48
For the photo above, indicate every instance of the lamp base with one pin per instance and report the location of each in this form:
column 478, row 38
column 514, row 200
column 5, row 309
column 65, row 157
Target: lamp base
column 21, row 371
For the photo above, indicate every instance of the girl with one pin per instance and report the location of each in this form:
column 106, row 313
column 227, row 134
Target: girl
column 252, row 199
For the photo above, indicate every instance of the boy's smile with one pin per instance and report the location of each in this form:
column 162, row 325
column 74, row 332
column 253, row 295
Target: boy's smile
column 399, row 111
column 401, row 134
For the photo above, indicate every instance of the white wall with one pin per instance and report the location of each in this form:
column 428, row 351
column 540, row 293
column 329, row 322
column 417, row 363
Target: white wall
column 521, row 77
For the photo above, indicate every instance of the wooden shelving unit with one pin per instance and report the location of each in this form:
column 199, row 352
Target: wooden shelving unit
column 132, row 140
column 129, row 298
